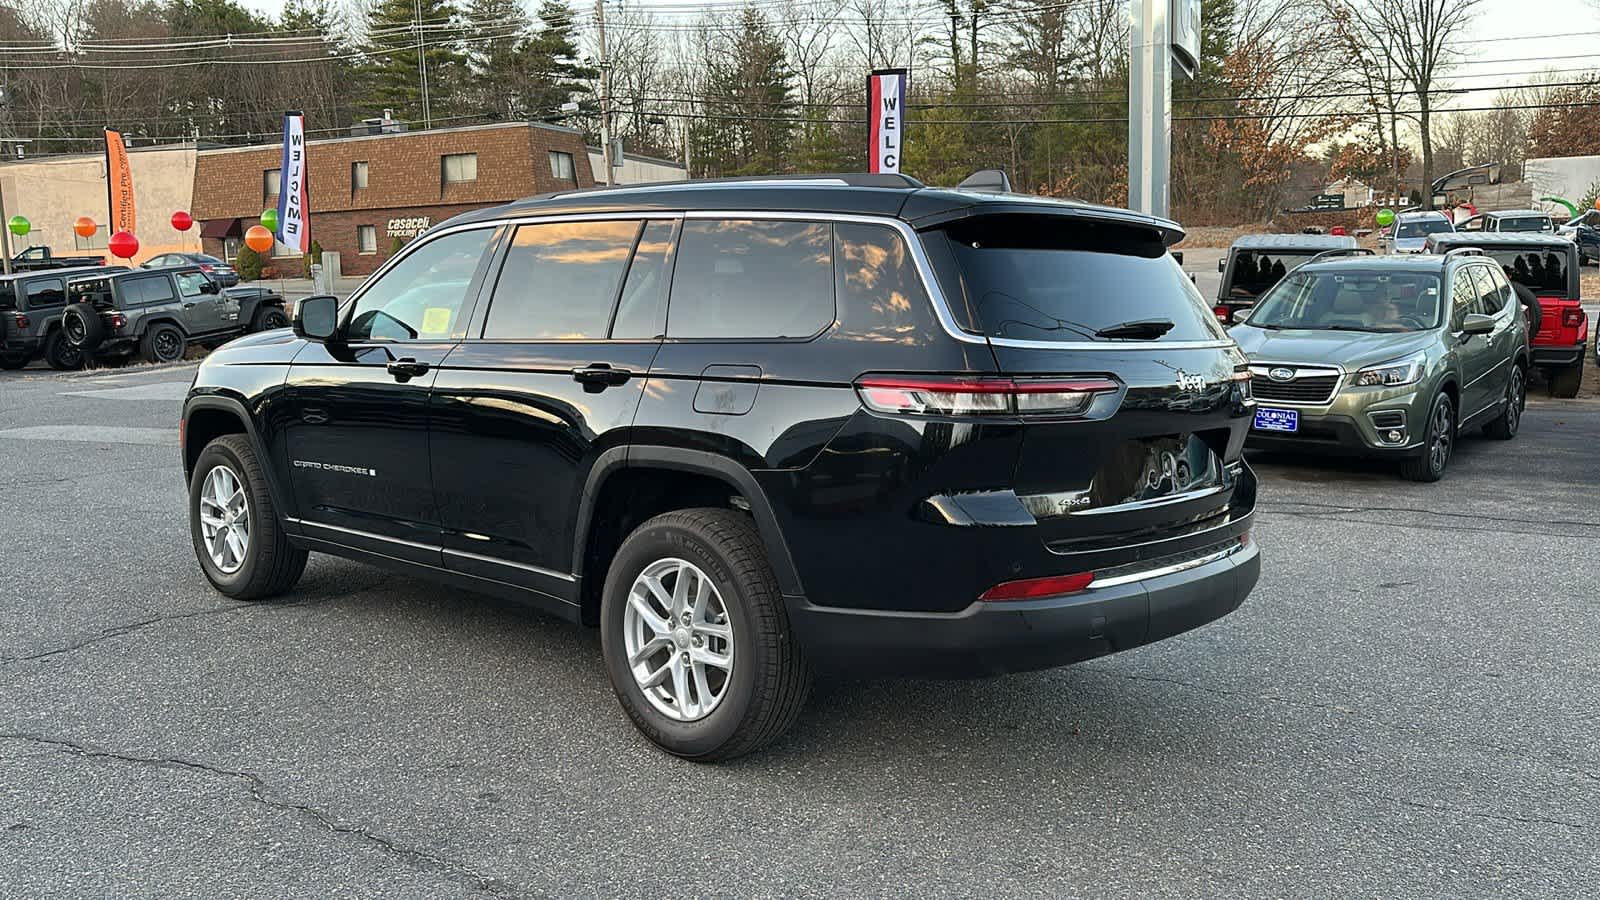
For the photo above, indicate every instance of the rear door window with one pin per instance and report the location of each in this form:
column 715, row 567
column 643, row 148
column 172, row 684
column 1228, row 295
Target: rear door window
column 752, row 279
column 42, row 294
column 1059, row 279
column 642, row 311
column 147, row 290
column 560, row 281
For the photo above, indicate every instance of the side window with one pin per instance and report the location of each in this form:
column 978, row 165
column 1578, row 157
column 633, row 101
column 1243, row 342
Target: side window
column 744, row 278
column 1490, row 300
column 560, row 280
column 144, row 291
column 642, row 311
column 192, row 284
column 1463, row 297
column 421, row 296
column 46, row 293
column 878, row 287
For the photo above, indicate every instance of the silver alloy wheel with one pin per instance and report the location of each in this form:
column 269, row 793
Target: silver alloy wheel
column 1439, row 451
column 678, row 639
column 1517, row 391
column 225, row 519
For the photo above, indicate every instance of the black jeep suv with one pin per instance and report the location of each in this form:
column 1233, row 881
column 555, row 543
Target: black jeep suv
column 752, row 428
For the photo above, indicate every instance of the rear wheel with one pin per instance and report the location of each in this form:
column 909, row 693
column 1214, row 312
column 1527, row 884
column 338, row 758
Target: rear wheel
column 1440, row 442
column 13, row 361
column 59, row 354
column 234, row 526
column 696, row 636
column 1505, row 426
column 1565, row 382
column 163, row 343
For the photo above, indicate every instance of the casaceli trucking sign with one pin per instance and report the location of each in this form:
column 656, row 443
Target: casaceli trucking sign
column 408, row 227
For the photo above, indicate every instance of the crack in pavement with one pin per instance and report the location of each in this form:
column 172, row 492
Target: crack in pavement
column 416, row 857
column 1567, row 764
column 1456, row 810
column 131, row 627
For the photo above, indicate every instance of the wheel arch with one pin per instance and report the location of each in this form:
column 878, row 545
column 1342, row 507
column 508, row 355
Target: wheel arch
column 617, row 465
column 210, row 416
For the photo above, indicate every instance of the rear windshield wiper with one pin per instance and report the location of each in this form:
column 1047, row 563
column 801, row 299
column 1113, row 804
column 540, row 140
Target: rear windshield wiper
column 1142, row 330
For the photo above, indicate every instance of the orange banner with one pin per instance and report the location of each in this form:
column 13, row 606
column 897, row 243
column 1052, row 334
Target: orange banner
column 119, row 184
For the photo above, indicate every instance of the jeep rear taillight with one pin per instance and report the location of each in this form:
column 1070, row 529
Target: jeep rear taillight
column 1222, row 313
column 1572, row 318
column 21, row 320
column 118, row 320
column 933, row 395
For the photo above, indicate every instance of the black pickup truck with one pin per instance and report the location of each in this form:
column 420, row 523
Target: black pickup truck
column 35, row 259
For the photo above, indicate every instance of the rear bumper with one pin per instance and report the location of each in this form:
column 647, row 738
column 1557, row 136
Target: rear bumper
column 1558, row 357
column 996, row 638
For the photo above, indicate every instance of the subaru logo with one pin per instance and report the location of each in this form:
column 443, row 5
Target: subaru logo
column 1281, row 373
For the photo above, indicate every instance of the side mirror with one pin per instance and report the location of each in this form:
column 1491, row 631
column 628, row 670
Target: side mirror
column 1239, row 314
column 211, row 287
column 1477, row 323
column 316, row 318
column 1222, row 264
column 1177, row 255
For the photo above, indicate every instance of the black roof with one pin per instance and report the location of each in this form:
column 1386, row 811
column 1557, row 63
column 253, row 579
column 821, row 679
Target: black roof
column 113, row 272
column 897, row 196
column 57, row 273
column 1310, row 242
column 1497, row 239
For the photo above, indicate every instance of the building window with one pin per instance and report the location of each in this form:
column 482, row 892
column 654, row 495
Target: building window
column 269, row 183
column 561, row 166
column 358, row 175
column 459, row 167
column 280, row 249
column 367, row 238
column 96, row 241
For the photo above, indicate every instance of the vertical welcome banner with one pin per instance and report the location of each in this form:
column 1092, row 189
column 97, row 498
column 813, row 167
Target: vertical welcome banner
column 119, row 185
column 294, row 189
column 886, row 121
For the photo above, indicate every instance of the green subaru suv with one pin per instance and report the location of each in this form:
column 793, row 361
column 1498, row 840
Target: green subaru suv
column 1387, row 356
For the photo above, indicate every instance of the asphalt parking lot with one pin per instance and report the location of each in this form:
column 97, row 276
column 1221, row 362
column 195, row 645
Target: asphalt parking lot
column 1406, row 706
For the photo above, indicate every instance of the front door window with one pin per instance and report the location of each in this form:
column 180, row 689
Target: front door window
column 422, row 296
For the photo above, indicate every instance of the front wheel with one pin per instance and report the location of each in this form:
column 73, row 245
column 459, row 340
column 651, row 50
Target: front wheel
column 234, row 526
column 696, row 636
column 1440, row 442
column 1505, row 425
column 269, row 319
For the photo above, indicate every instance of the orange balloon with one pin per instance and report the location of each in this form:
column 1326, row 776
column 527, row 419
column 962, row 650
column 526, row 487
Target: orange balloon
column 258, row 239
column 85, row 226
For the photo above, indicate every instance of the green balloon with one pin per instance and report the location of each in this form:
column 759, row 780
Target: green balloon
column 1385, row 217
column 19, row 225
column 269, row 220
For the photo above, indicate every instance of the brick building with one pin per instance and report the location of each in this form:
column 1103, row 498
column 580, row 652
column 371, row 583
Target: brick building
column 371, row 193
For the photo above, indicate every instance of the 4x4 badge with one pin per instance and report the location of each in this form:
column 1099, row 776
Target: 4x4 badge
column 1281, row 373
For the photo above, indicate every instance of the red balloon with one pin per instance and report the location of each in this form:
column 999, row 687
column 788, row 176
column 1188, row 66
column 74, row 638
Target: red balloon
column 123, row 244
column 182, row 221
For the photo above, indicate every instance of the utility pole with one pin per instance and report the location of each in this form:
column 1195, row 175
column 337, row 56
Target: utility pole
column 605, row 93
column 422, row 67
column 5, row 229
column 1149, row 108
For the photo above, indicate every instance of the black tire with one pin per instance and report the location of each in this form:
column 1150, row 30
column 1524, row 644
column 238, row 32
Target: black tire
column 1564, row 383
column 1430, row 464
column 13, row 361
column 271, row 564
column 769, row 680
column 1532, row 312
column 1504, row 427
column 59, row 354
column 163, row 343
column 269, row 318
column 81, row 324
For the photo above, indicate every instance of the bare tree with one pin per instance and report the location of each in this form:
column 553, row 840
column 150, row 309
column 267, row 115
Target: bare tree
column 1417, row 37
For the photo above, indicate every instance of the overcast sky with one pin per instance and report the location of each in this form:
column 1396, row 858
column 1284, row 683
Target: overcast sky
column 1576, row 21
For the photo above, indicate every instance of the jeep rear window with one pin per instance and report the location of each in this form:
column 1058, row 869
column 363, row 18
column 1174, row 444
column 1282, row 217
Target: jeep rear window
column 1055, row 278
column 1255, row 271
column 1541, row 271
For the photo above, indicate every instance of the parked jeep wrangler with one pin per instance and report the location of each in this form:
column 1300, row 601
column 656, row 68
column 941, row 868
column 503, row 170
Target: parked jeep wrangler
column 30, row 318
column 1256, row 262
column 1548, row 266
column 157, row 314
column 753, row 427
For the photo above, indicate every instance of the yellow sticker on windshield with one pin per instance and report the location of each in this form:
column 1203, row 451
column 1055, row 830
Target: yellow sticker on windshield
column 435, row 320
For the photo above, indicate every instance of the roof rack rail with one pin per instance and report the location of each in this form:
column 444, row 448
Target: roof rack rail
column 1465, row 251
column 1342, row 251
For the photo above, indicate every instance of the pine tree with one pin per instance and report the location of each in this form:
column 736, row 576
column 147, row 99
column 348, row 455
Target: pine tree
column 390, row 73
column 553, row 71
column 500, row 31
column 749, row 89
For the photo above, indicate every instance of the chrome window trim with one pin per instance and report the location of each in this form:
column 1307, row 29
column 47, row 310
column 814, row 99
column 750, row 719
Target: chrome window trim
column 919, row 256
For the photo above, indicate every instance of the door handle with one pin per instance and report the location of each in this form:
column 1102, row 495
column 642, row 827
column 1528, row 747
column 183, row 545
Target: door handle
column 406, row 368
column 599, row 376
